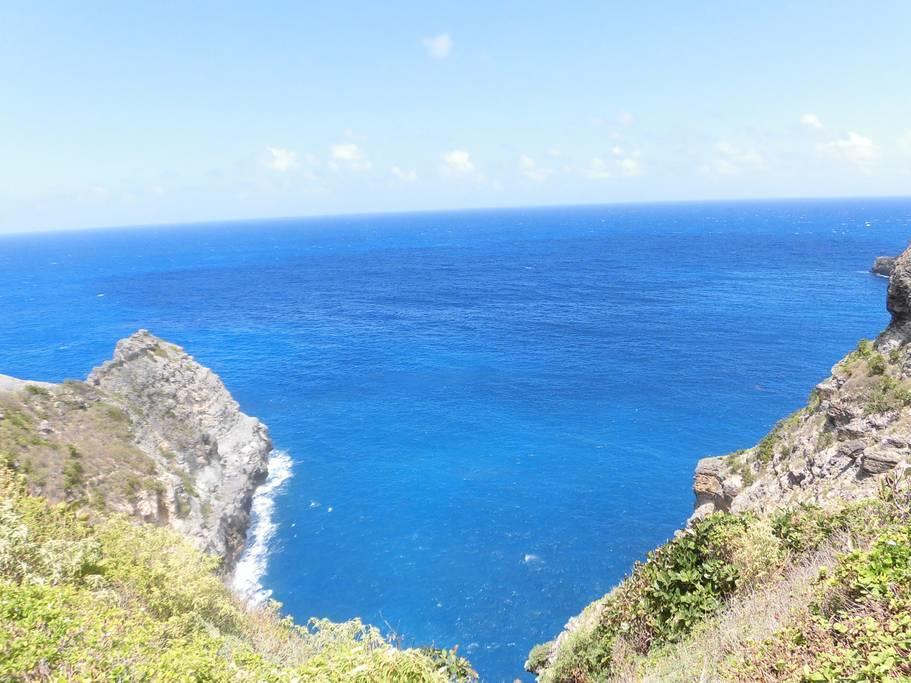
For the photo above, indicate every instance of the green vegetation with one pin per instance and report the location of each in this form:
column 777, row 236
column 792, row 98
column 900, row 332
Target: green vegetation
column 888, row 394
column 765, row 449
column 115, row 601
column 857, row 627
column 663, row 599
column 676, row 610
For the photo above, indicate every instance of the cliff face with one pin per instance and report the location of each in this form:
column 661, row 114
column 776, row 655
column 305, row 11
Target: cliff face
column 855, row 427
column 211, row 456
column 151, row 433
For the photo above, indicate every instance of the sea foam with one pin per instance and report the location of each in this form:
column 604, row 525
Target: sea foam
column 251, row 567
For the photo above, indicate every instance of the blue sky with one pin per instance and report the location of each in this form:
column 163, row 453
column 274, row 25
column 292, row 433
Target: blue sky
column 119, row 113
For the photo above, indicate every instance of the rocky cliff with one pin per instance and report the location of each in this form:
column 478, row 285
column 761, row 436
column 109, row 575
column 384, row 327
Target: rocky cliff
column 883, row 266
column 855, row 428
column 150, row 433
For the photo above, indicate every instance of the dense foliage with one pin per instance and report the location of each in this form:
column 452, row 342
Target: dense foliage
column 116, row 601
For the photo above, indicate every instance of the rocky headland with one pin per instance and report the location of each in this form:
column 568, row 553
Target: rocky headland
column 151, row 434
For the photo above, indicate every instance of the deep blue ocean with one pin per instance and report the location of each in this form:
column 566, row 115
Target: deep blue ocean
column 491, row 415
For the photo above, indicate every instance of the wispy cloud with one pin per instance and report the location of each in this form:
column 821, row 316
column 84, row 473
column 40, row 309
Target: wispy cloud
column 438, row 46
column 348, row 155
column 279, row 159
column 624, row 163
column 855, row 148
column 627, row 161
column 811, row 121
column 408, row 176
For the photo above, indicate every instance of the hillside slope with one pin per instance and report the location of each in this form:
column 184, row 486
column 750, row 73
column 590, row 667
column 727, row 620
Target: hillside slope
column 796, row 564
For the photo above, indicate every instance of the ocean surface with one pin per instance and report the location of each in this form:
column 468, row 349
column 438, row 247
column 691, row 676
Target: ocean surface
column 485, row 417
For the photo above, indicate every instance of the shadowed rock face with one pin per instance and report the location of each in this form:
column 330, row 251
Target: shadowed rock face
column 883, row 266
column 210, row 455
column 898, row 300
column 856, row 429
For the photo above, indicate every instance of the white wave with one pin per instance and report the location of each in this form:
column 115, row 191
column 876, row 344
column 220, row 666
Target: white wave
column 251, row 567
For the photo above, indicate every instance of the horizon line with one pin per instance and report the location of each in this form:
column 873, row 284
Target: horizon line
column 474, row 209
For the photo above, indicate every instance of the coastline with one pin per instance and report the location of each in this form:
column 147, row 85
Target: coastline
column 246, row 578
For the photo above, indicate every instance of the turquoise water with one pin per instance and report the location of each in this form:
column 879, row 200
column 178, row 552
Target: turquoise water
column 491, row 414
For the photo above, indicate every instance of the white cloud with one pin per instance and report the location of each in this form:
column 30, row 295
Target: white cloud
column 279, row 159
column 459, row 161
column 348, row 155
column 438, row 46
column 857, row 149
column 811, row 121
column 624, row 118
column 408, row 176
column 625, row 163
column 530, row 169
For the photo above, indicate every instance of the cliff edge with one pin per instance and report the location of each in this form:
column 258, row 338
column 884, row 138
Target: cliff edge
column 855, row 427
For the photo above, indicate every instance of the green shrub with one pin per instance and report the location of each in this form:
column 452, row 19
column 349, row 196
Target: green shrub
column 72, row 475
column 888, row 394
column 538, row 656
column 877, row 364
column 35, row 390
column 677, row 588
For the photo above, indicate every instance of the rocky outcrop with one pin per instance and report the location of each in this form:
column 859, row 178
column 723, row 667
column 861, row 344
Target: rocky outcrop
column 855, row 430
column 883, row 266
column 151, row 434
column 210, row 455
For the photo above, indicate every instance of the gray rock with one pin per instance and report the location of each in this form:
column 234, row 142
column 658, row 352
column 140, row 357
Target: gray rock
column 218, row 455
column 880, row 461
column 883, row 266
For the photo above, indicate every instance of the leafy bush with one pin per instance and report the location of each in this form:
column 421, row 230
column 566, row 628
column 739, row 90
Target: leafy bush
column 876, row 364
